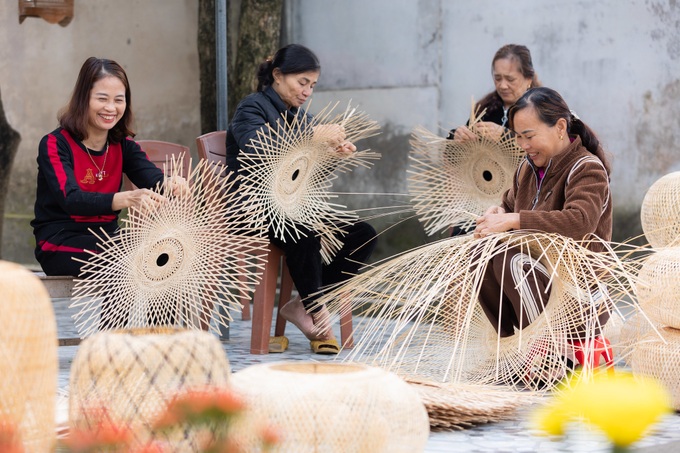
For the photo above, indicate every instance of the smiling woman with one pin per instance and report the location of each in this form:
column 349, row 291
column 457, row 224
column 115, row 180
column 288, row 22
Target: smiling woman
column 81, row 166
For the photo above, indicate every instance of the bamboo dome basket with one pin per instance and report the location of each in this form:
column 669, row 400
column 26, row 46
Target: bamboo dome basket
column 658, row 355
column 132, row 375
column 334, row 407
column 660, row 211
column 28, row 350
column 289, row 171
column 659, row 287
column 424, row 319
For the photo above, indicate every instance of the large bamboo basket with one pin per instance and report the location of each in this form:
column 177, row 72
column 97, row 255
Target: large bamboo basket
column 130, row 376
column 28, row 350
column 333, row 407
column 659, row 287
column 660, row 211
column 658, row 355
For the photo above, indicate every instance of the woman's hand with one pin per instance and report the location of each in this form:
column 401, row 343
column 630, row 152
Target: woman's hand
column 492, row 130
column 345, row 149
column 139, row 198
column 179, row 186
column 463, row 134
column 496, row 220
column 332, row 134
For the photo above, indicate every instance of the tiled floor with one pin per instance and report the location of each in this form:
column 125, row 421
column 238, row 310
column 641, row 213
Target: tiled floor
column 509, row 436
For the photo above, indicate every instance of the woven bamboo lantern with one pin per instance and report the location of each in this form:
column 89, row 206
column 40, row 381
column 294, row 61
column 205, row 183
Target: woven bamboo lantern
column 660, row 211
column 131, row 376
column 659, row 287
column 28, row 350
column 658, row 355
column 333, row 407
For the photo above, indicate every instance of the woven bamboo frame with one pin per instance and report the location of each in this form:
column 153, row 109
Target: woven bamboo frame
column 28, row 350
column 333, row 407
column 128, row 377
column 424, row 320
column 289, row 171
column 454, row 182
column 175, row 264
column 660, row 211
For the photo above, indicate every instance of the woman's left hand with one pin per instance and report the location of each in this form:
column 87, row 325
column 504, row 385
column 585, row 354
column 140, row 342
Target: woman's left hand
column 345, row 149
column 179, row 186
column 496, row 223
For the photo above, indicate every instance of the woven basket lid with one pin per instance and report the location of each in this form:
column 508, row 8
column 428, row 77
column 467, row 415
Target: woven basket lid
column 166, row 263
column 660, row 211
column 289, row 170
column 452, row 182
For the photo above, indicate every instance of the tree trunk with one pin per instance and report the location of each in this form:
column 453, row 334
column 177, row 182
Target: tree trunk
column 253, row 33
column 259, row 36
column 9, row 144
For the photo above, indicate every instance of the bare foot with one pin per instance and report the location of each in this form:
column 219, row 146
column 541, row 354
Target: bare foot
column 322, row 324
column 294, row 312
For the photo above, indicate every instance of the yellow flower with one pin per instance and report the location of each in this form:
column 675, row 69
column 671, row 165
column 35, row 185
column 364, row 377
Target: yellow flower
column 622, row 406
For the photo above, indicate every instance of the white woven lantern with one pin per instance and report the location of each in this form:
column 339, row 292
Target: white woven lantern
column 659, row 287
column 660, row 211
column 132, row 375
column 333, row 407
column 658, row 356
column 28, row 351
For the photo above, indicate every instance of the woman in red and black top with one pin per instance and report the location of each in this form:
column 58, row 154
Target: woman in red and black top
column 81, row 166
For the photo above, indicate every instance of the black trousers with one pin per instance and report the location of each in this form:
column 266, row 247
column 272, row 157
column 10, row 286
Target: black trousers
column 310, row 274
column 56, row 254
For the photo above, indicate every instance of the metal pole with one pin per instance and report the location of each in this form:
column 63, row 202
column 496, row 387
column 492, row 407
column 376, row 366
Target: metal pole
column 221, row 62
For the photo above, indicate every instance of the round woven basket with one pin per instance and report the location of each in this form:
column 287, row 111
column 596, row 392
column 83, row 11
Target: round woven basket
column 333, row 407
column 659, row 287
column 132, row 375
column 660, row 211
column 28, row 350
column 659, row 357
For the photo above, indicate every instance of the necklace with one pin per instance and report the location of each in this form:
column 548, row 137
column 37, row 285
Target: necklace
column 101, row 173
column 505, row 116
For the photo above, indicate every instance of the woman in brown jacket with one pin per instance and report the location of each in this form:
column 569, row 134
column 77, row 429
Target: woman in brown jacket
column 562, row 187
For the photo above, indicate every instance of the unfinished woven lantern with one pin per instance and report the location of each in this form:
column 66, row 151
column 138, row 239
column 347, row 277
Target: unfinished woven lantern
column 454, row 182
column 128, row 377
column 174, row 264
column 334, row 407
column 424, row 320
column 657, row 355
column 28, row 350
column 660, row 211
column 289, row 170
column 659, row 287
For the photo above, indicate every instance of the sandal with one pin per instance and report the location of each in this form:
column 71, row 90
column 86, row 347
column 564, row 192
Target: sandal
column 325, row 346
column 278, row 344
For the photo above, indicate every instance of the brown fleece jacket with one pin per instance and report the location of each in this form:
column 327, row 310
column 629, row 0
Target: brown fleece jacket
column 572, row 200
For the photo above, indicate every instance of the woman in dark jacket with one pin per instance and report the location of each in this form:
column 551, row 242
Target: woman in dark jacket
column 285, row 82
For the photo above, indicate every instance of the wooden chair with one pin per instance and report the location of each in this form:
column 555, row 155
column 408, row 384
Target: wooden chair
column 159, row 153
column 213, row 146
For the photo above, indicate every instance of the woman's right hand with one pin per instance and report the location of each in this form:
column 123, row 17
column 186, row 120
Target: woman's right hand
column 333, row 134
column 463, row 134
column 141, row 199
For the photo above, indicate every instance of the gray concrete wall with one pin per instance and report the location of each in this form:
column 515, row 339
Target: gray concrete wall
column 420, row 62
column 154, row 40
column 406, row 62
